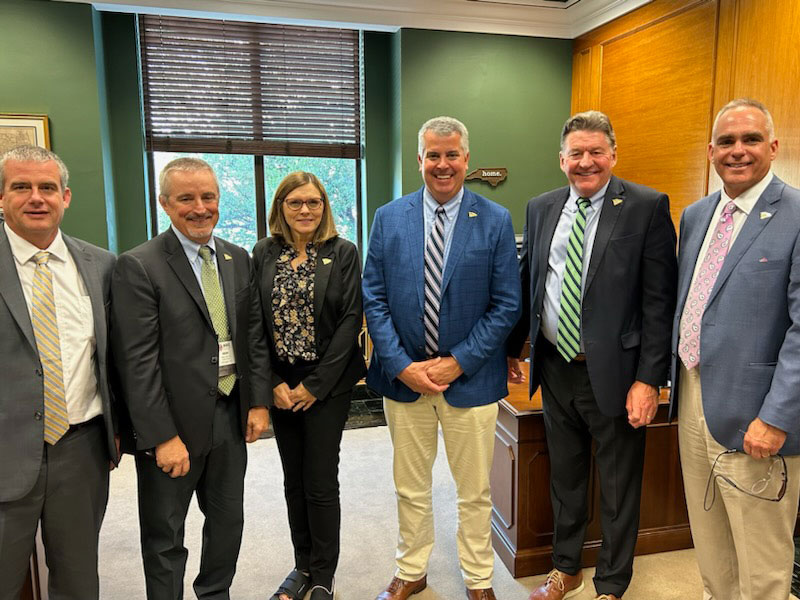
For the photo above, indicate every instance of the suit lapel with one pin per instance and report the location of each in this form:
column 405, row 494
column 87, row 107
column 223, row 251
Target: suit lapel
column 545, row 240
column 691, row 241
column 227, row 274
column 322, row 275
column 605, row 226
column 415, row 227
column 11, row 289
column 266, row 281
column 461, row 234
column 752, row 228
column 87, row 268
column 176, row 259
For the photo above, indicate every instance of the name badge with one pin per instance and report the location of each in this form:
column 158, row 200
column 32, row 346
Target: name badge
column 227, row 359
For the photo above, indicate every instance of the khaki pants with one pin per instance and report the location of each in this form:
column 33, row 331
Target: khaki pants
column 469, row 443
column 744, row 545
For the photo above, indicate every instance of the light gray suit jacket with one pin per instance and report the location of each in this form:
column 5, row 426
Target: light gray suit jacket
column 750, row 332
column 21, row 387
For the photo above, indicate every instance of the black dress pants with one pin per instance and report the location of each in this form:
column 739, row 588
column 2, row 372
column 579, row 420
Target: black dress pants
column 572, row 420
column 218, row 480
column 308, row 442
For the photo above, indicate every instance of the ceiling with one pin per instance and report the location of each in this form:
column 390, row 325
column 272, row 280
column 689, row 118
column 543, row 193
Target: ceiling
column 542, row 18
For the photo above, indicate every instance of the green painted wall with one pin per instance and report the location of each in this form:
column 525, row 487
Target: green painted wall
column 48, row 65
column 512, row 93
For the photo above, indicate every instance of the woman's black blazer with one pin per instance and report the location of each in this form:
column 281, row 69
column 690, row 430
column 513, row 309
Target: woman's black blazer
column 338, row 313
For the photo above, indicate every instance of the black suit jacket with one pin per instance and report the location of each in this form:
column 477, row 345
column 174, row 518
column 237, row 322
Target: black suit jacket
column 165, row 347
column 338, row 313
column 629, row 293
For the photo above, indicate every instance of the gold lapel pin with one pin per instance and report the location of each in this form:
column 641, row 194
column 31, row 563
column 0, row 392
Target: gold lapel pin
column 765, row 214
column 471, row 214
column 227, row 256
column 326, row 261
column 617, row 201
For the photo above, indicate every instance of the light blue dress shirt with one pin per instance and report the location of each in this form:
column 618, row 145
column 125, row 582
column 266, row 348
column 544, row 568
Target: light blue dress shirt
column 450, row 215
column 557, row 259
column 192, row 251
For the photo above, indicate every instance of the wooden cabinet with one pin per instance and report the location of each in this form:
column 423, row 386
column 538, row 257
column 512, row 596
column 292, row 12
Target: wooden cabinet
column 522, row 516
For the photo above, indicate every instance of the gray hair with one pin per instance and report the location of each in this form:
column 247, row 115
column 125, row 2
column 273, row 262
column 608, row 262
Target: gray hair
column 37, row 154
column 591, row 120
column 748, row 102
column 186, row 164
column 442, row 127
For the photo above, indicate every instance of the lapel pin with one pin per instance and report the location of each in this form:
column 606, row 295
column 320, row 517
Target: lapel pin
column 765, row 214
column 472, row 214
column 617, row 201
column 227, row 256
column 763, row 259
column 326, row 261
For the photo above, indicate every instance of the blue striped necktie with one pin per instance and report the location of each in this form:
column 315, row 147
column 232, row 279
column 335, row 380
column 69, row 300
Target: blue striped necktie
column 434, row 261
column 569, row 315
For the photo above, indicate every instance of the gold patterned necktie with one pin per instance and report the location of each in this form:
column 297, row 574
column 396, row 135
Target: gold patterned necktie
column 216, row 308
column 48, row 342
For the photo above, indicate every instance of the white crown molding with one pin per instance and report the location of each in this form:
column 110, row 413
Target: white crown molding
column 511, row 17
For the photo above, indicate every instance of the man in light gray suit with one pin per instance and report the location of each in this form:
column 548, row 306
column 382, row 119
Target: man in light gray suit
column 736, row 363
column 56, row 420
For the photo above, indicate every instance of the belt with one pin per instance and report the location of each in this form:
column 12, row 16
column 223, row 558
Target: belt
column 579, row 358
column 77, row 426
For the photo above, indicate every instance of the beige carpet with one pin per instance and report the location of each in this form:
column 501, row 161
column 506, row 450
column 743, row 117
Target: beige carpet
column 368, row 536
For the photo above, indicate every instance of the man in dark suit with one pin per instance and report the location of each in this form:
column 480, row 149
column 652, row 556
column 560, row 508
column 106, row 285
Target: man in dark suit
column 190, row 349
column 736, row 363
column 56, row 413
column 598, row 275
column 441, row 293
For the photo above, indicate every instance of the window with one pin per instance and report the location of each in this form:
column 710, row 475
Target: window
column 256, row 101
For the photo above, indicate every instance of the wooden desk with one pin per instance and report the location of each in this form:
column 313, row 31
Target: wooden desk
column 522, row 516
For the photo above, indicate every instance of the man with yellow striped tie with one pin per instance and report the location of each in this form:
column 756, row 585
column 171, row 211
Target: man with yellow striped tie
column 56, row 422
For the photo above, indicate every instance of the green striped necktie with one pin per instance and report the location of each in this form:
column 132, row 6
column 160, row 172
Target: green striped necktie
column 569, row 315
column 216, row 309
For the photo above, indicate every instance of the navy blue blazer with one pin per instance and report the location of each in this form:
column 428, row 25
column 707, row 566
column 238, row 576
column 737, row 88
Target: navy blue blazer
column 750, row 332
column 480, row 303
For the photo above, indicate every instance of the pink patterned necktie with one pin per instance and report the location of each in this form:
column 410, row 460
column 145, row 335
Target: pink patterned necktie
column 689, row 345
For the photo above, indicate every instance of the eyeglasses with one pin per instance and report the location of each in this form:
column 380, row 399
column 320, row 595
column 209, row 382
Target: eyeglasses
column 756, row 489
column 297, row 204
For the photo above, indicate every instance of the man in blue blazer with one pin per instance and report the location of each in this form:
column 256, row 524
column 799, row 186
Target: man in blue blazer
column 57, row 417
column 441, row 293
column 736, row 363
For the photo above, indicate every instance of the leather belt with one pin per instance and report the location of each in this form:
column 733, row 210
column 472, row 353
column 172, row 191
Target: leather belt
column 77, row 426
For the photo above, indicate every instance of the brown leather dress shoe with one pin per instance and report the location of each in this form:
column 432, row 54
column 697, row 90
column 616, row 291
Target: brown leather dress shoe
column 400, row 589
column 482, row 594
column 558, row 586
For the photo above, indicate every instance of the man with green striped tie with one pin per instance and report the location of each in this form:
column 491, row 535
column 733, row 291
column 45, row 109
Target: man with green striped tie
column 57, row 432
column 598, row 278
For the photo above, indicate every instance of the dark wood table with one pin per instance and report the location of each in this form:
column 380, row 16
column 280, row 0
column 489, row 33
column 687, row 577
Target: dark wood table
column 522, row 516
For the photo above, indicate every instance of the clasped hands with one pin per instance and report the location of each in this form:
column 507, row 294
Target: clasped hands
column 432, row 376
column 294, row 399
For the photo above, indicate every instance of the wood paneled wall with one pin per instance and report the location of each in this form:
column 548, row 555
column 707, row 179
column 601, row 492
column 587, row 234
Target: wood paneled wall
column 662, row 72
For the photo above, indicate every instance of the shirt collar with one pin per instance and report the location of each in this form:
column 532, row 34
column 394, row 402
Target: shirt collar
column 192, row 248
column 24, row 251
column 596, row 200
column 747, row 199
column 450, row 207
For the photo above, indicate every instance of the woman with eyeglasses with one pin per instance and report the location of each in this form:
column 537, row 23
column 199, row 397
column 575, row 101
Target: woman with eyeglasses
column 310, row 284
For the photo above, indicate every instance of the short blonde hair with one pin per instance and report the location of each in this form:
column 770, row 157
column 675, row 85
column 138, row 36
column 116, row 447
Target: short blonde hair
column 278, row 226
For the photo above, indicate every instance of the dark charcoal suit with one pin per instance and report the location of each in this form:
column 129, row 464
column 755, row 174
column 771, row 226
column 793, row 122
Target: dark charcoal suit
column 626, row 318
column 166, row 351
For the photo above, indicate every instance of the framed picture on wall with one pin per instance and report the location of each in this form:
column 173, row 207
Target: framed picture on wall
column 23, row 129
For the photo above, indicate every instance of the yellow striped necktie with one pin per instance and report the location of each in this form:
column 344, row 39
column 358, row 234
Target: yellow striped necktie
column 48, row 342
column 216, row 309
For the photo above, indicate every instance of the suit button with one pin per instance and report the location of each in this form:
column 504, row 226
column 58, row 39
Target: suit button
column 39, row 372
column 37, row 415
column 212, row 392
column 213, row 360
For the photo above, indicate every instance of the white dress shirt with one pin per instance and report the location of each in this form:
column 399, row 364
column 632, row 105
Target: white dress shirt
column 75, row 322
